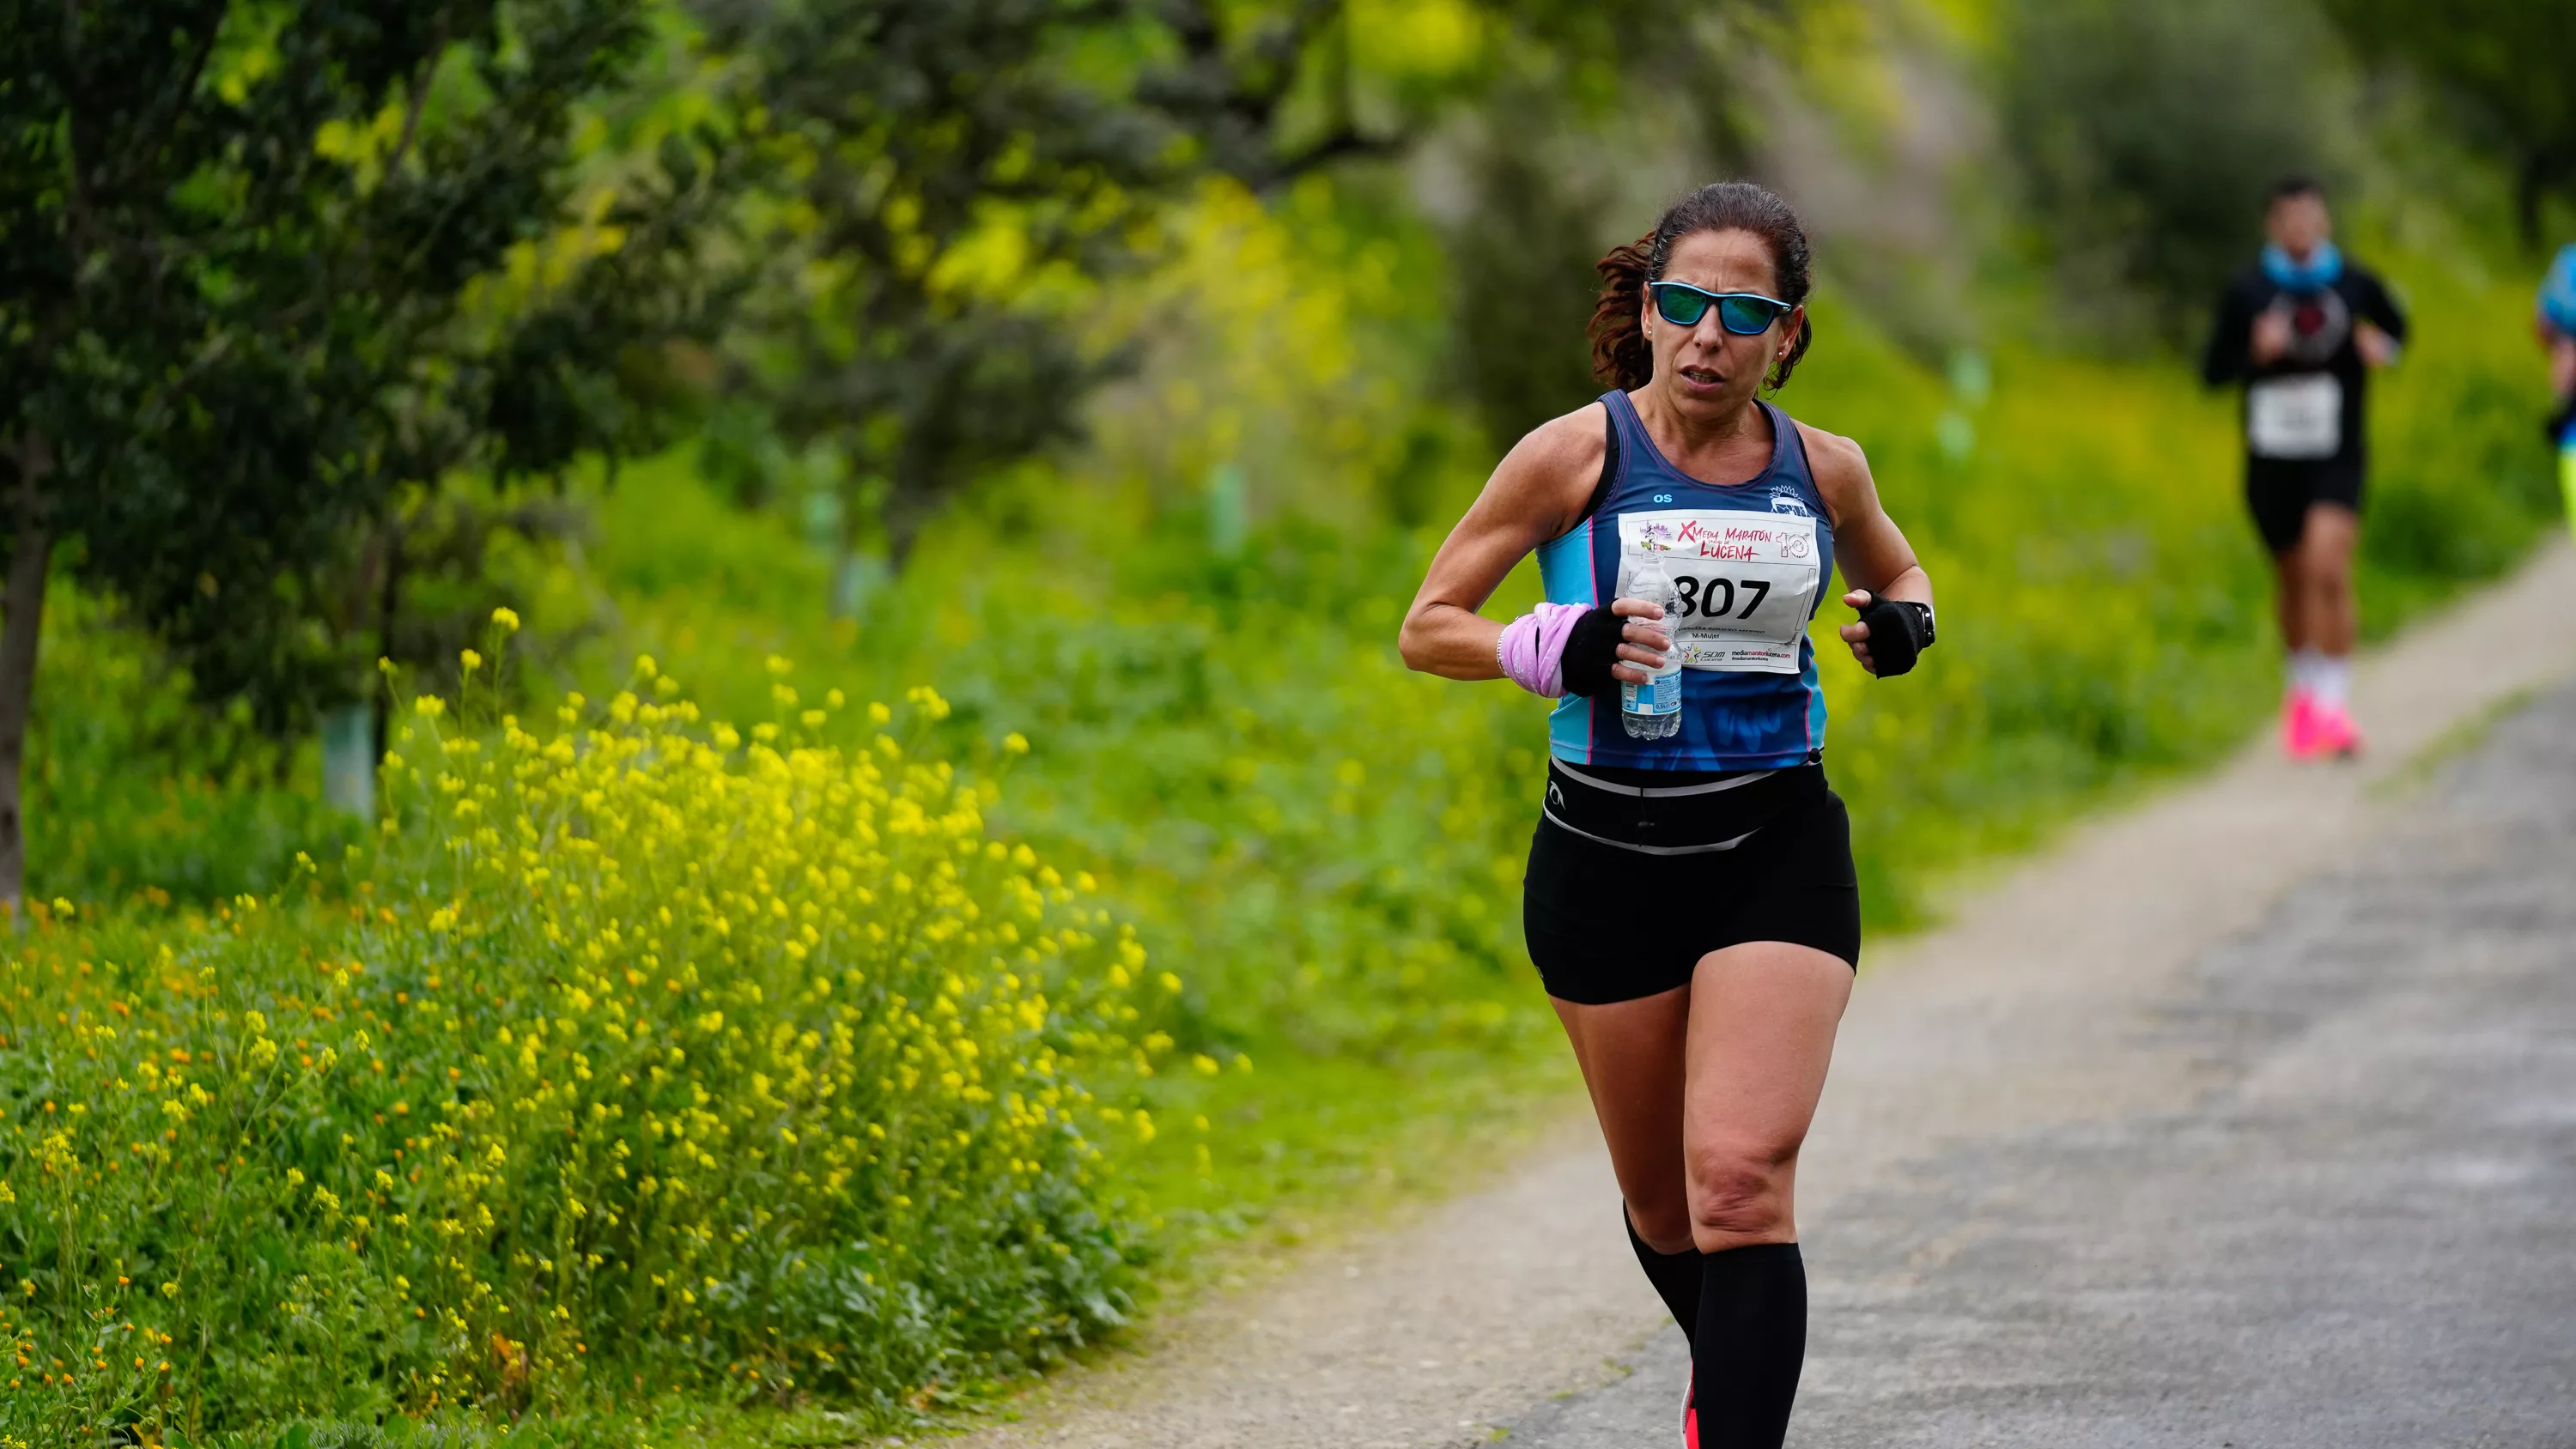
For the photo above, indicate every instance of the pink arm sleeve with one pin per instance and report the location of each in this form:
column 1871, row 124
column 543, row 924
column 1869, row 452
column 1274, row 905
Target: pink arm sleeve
column 1532, row 649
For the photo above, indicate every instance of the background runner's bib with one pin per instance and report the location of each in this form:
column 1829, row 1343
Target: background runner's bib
column 2294, row 417
column 1747, row 583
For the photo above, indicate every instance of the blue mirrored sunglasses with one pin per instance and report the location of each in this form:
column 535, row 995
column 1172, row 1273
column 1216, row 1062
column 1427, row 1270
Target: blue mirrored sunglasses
column 1746, row 314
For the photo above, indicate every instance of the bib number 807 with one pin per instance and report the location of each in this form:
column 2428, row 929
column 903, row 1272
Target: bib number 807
column 1715, row 596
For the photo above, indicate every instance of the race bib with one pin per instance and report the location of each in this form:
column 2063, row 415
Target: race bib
column 2295, row 417
column 1747, row 583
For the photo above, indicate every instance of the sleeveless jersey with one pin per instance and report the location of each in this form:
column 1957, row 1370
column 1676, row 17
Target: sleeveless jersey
column 2558, row 292
column 1750, row 562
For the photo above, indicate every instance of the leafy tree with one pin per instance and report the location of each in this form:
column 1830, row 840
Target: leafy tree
column 947, row 179
column 262, row 265
column 1556, row 119
column 2149, row 132
column 931, row 169
column 1268, row 93
column 2503, row 62
column 1524, row 254
column 944, row 181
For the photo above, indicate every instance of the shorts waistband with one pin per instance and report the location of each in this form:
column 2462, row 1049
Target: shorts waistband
column 1552, row 818
column 1643, row 792
column 1700, row 817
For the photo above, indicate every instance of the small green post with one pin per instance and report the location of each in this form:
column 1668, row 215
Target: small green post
column 1228, row 520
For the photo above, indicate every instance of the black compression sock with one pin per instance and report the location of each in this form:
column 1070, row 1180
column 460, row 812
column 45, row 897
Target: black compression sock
column 1752, row 1339
column 1676, row 1276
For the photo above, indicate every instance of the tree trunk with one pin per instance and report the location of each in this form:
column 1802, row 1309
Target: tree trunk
column 22, row 614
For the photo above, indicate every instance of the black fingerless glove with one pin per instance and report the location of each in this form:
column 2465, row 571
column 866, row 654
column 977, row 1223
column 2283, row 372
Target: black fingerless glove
column 1590, row 650
column 2555, row 426
column 1899, row 631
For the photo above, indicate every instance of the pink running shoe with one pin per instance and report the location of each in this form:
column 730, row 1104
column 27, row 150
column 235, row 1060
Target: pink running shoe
column 2299, row 719
column 1690, row 1414
column 2334, row 733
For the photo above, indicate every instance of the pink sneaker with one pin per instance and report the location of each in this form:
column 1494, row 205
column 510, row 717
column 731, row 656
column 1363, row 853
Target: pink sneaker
column 1690, row 1414
column 2333, row 731
column 2299, row 719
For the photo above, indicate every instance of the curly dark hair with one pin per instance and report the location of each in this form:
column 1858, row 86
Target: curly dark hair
column 1620, row 355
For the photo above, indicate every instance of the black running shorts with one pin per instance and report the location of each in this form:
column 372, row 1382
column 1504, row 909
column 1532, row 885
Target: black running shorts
column 1609, row 924
column 2280, row 490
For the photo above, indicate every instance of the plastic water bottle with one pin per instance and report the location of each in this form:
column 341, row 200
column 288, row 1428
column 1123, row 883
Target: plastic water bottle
column 1653, row 710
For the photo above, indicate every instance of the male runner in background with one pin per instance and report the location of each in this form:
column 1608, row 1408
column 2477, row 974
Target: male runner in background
column 2558, row 334
column 2302, row 329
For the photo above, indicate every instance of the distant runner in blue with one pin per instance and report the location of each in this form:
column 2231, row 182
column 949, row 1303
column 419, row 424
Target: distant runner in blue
column 1690, row 901
column 2557, row 322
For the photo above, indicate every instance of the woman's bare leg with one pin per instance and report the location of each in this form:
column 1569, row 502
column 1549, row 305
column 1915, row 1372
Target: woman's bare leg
column 1632, row 1055
column 1762, row 1021
column 1704, row 1092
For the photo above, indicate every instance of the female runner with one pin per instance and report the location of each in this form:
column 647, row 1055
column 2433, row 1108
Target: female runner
column 1690, row 901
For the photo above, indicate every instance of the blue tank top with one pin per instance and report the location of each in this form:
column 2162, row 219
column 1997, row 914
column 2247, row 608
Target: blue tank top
column 1750, row 561
column 2558, row 291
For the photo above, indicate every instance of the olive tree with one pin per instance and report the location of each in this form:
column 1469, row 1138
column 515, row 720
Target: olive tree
column 2503, row 64
column 262, row 264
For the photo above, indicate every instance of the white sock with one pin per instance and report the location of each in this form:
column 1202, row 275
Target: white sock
column 2304, row 666
column 2330, row 680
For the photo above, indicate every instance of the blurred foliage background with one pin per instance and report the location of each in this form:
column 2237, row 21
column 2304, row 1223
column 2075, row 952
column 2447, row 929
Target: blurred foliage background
column 1114, row 368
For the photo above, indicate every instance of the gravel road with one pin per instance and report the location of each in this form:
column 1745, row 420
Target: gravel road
column 2359, row 1231
column 2235, row 1118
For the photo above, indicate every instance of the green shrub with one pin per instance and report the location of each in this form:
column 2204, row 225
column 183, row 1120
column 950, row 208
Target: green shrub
column 2459, row 479
column 638, row 1057
column 134, row 785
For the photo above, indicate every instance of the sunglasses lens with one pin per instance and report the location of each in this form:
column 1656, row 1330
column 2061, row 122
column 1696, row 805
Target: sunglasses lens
column 1746, row 316
column 1680, row 306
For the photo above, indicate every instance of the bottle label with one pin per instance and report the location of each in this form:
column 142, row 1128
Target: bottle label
column 1746, row 583
column 1659, row 695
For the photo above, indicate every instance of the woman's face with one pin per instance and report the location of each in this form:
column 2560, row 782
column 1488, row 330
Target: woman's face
column 1704, row 370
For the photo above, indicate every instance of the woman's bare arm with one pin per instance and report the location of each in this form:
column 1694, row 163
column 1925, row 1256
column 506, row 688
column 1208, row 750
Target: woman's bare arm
column 1870, row 549
column 1536, row 493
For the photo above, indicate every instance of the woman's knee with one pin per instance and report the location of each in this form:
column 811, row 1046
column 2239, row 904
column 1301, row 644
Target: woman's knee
column 1665, row 1226
column 1739, row 1194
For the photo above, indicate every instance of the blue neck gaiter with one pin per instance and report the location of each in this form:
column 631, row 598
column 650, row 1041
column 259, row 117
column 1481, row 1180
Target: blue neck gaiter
column 2318, row 272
